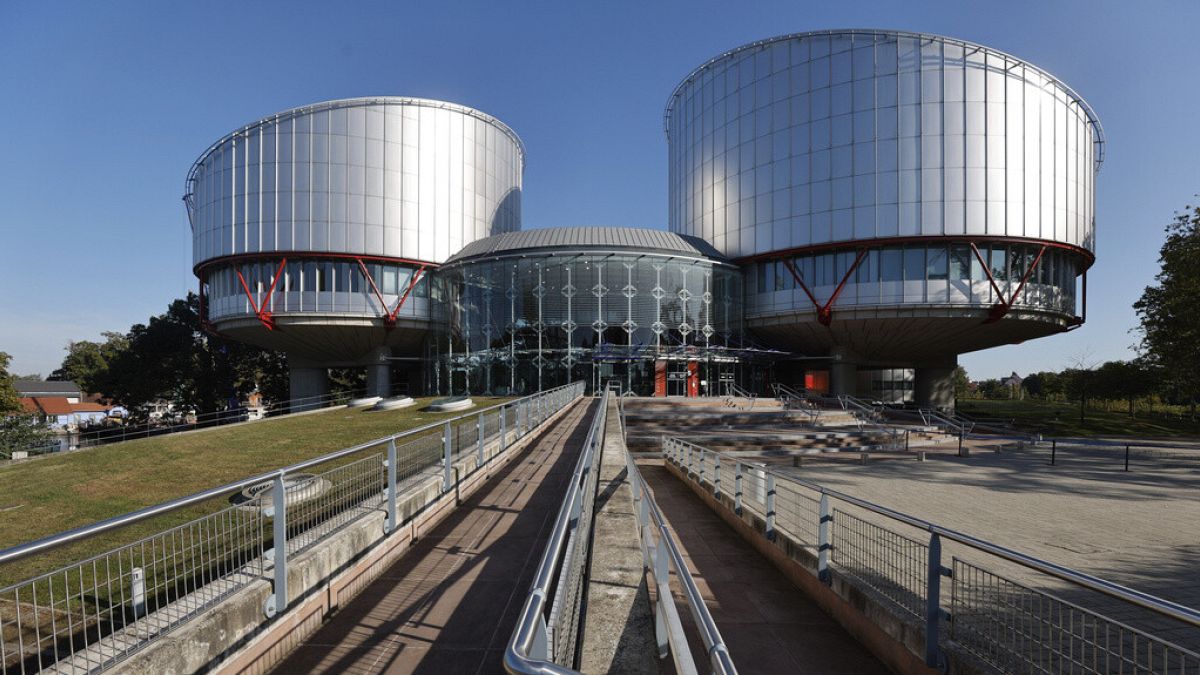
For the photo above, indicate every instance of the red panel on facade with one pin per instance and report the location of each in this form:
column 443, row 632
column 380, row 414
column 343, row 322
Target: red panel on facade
column 660, row 378
column 817, row 381
column 693, row 379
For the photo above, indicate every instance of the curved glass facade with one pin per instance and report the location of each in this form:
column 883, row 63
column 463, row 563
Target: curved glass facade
column 320, row 285
column 394, row 177
column 941, row 274
column 852, row 135
column 525, row 323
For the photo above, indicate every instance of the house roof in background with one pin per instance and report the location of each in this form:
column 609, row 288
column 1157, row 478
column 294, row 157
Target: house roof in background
column 47, row 388
column 54, row 405
column 90, row 407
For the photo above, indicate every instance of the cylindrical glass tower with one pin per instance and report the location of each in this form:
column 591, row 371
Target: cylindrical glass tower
column 531, row 310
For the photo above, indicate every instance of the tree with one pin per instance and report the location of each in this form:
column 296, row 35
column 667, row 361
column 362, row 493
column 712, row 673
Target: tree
column 22, row 432
column 18, row 430
column 9, row 400
column 170, row 358
column 87, row 363
column 1033, row 384
column 960, row 382
column 1170, row 310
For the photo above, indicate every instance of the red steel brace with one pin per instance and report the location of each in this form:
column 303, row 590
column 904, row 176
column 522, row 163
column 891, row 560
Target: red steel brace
column 825, row 312
column 1002, row 306
column 263, row 314
column 389, row 317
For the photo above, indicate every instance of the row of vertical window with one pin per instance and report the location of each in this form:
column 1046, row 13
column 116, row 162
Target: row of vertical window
column 955, row 262
column 314, row 276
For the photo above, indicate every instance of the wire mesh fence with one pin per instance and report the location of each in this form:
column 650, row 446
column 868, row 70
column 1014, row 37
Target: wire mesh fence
column 566, row 608
column 101, row 608
column 1017, row 629
column 88, row 614
column 986, row 617
column 893, row 567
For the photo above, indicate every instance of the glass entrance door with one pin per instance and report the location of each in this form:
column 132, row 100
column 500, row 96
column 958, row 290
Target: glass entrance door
column 677, row 378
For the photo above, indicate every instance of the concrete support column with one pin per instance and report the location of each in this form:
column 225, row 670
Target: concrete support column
column 309, row 383
column 933, row 385
column 379, row 374
column 843, row 372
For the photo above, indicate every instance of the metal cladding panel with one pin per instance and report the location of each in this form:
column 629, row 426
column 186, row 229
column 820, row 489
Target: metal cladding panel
column 847, row 135
column 396, row 177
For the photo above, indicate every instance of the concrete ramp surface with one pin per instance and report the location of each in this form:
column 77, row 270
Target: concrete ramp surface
column 769, row 625
column 450, row 603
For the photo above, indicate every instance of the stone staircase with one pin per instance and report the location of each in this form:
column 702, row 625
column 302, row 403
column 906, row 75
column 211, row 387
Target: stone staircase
column 767, row 426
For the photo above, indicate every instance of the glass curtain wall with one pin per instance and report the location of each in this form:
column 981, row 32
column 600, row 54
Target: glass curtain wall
column 921, row 274
column 520, row 324
column 314, row 285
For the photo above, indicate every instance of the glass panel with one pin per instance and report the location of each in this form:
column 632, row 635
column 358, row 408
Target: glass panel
column 936, row 263
column 960, row 262
column 914, row 264
column 999, row 263
column 891, row 265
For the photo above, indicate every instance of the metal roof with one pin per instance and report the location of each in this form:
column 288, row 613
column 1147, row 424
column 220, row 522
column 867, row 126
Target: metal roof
column 571, row 239
column 46, row 388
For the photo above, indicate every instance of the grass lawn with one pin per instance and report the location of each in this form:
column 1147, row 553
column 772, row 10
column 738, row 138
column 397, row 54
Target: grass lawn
column 1062, row 419
column 59, row 492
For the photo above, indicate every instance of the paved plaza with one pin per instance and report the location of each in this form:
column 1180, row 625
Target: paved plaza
column 1139, row 528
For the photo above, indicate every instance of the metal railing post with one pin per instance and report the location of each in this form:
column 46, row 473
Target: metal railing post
column 700, row 474
column 390, row 523
column 823, row 543
column 278, row 600
column 479, row 431
column 737, row 488
column 503, row 428
column 662, row 632
column 447, row 456
column 770, row 505
column 717, row 475
column 933, row 600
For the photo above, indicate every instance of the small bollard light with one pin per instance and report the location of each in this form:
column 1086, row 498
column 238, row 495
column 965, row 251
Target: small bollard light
column 921, row 456
column 139, row 592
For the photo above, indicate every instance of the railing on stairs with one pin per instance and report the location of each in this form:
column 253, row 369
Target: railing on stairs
column 947, row 422
column 793, row 399
column 734, row 392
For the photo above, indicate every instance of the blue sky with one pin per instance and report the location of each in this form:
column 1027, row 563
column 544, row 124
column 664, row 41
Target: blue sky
column 104, row 106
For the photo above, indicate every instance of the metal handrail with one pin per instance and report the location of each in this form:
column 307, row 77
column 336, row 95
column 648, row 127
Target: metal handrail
column 117, row 522
column 530, row 634
column 935, row 418
column 1139, row 598
column 714, row 644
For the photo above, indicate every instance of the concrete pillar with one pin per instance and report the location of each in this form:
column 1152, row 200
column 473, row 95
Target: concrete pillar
column 310, row 384
column 379, row 374
column 843, row 372
column 933, row 386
